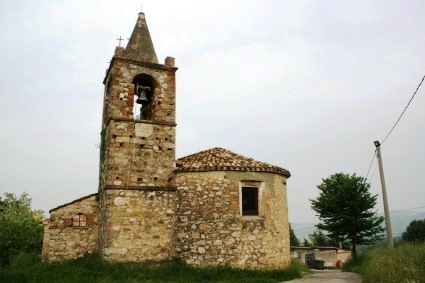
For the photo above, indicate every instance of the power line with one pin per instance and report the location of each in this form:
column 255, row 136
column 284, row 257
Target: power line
column 370, row 166
column 402, row 210
column 403, row 110
column 374, row 170
column 396, row 211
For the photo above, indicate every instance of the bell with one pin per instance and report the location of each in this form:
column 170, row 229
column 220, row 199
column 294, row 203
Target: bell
column 141, row 96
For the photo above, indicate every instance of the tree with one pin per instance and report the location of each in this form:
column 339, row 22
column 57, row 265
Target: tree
column 318, row 238
column 306, row 243
column 293, row 240
column 345, row 210
column 20, row 228
column 415, row 231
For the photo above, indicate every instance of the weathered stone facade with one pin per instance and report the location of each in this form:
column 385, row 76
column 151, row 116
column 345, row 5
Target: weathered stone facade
column 209, row 208
column 72, row 229
column 211, row 228
column 140, row 225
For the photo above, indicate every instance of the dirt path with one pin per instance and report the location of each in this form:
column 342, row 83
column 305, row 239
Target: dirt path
column 329, row 276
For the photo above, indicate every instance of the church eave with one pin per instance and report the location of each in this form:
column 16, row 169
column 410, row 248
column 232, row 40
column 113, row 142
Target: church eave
column 137, row 63
column 72, row 202
column 282, row 172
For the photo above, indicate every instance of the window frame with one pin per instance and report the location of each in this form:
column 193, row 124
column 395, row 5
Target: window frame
column 250, row 185
column 251, row 195
column 79, row 220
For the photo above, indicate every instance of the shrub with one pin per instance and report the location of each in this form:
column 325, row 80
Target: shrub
column 20, row 230
column 403, row 264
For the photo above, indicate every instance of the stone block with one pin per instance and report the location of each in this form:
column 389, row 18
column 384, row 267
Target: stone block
column 143, row 130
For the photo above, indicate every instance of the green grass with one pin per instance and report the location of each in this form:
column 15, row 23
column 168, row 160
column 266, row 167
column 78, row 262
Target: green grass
column 406, row 263
column 91, row 268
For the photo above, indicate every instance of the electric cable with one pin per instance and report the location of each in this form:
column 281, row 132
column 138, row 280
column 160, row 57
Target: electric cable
column 370, row 166
column 403, row 111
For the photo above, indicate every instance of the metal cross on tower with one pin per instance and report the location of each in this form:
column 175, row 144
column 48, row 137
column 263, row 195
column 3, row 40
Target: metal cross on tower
column 119, row 40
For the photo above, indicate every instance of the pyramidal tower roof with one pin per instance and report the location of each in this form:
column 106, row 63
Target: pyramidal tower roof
column 140, row 46
column 220, row 159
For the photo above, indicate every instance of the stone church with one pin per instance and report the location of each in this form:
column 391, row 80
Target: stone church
column 212, row 207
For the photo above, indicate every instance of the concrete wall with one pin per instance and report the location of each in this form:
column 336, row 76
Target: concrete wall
column 329, row 257
column 211, row 229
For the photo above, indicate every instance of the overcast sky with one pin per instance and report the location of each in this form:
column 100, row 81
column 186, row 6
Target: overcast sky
column 305, row 85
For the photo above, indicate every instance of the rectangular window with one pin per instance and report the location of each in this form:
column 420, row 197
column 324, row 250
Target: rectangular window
column 249, row 201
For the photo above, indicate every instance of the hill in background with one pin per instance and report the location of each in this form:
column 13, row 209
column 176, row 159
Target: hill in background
column 399, row 221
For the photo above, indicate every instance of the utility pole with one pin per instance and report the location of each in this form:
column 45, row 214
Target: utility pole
column 384, row 196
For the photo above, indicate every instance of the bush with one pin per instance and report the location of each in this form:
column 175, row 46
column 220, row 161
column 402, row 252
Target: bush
column 403, row 264
column 20, row 230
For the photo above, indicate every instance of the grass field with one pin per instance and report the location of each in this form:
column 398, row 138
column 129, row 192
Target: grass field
column 28, row 268
column 406, row 263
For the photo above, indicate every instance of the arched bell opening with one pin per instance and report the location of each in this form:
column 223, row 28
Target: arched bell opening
column 144, row 90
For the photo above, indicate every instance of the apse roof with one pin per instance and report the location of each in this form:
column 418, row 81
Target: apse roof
column 220, row 159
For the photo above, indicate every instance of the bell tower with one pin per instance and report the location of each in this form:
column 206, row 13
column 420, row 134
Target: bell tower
column 137, row 152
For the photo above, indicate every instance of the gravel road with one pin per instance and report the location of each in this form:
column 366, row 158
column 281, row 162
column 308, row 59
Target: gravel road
column 329, row 276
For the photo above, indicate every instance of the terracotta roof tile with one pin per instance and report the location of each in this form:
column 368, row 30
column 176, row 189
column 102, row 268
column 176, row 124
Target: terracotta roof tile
column 219, row 159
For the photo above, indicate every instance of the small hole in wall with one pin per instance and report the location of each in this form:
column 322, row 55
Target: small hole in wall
column 155, row 178
column 170, row 179
column 114, row 136
column 117, row 178
column 143, row 138
column 121, row 143
column 139, row 179
column 169, row 149
column 166, row 139
column 157, row 138
column 130, row 136
column 142, row 146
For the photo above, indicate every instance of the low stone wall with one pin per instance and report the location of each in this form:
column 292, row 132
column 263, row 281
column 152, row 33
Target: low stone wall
column 72, row 230
column 212, row 231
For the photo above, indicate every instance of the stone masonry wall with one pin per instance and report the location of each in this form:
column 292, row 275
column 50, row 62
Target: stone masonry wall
column 140, row 225
column 211, row 229
column 72, row 230
column 119, row 91
column 139, row 154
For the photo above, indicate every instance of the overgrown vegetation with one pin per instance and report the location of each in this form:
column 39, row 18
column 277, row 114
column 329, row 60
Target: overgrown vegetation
column 20, row 228
column 403, row 264
column 415, row 232
column 91, row 268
